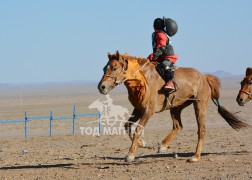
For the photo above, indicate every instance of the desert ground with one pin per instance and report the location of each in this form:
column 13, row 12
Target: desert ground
column 226, row 154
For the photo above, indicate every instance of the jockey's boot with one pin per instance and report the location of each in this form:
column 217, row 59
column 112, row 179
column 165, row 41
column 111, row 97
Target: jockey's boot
column 169, row 86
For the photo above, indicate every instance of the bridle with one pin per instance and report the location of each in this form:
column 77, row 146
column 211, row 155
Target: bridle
column 123, row 71
column 245, row 92
column 116, row 83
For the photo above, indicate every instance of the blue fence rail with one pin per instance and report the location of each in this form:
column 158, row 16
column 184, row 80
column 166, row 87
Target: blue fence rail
column 51, row 119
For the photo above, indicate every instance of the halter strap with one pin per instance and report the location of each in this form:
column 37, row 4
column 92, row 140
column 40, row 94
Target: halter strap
column 122, row 71
column 245, row 92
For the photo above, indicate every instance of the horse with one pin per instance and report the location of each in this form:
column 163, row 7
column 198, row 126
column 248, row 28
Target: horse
column 245, row 93
column 146, row 94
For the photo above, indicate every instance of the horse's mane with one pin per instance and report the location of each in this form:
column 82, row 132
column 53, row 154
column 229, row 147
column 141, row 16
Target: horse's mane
column 140, row 60
column 121, row 57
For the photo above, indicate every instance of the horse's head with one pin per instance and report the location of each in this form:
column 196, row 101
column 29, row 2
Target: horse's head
column 114, row 72
column 245, row 93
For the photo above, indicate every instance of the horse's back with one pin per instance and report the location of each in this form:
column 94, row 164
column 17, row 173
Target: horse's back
column 187, row 73
column 191, row 81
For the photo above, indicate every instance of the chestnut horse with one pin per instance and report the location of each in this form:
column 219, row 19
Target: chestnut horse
column 245, row 93
column 145, row 89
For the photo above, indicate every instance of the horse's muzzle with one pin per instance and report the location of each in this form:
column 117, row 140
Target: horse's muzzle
column 240, row 101
column 105, row 87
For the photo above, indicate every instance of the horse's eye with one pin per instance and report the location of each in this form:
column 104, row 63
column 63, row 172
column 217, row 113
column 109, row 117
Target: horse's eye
column 114, row 69
column 250, row 83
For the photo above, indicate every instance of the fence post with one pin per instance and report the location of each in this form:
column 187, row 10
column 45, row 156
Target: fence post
column 25, row 127
column 74, row 117
column 51, row 118
column 99, row 122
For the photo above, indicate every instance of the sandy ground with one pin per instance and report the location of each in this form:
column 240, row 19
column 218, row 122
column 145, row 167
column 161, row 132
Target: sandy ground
column 227, row 154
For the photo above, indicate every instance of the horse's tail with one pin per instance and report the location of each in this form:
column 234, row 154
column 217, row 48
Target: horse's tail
column 234, row 121
column 214, row 84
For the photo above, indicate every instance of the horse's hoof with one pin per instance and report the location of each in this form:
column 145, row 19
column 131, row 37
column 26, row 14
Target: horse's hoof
column 130, row 158
column 142, row 144
column 162, row 149
column 193, row 159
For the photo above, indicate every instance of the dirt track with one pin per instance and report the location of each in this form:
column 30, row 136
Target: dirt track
column 226, row 153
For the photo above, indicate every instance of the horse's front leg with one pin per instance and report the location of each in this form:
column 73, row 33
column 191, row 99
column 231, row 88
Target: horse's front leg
column 136, row 115
column 142, row 122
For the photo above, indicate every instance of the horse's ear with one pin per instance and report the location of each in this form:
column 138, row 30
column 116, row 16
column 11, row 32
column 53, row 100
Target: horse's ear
column 117, row 55
column 109, row 55
column 249, row 71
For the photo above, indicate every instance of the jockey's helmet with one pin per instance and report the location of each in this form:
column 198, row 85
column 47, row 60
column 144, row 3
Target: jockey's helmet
column 158, row 24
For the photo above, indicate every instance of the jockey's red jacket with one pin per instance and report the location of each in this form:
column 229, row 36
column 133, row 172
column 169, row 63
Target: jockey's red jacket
column 161, row 39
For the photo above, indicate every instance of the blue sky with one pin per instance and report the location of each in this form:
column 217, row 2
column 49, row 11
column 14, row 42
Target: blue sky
column 63, row 40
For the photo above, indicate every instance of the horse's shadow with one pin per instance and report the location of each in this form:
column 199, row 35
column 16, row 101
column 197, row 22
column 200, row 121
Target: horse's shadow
column 181, row 155
column 156, row 156
column 66, row 165
column 120, row 161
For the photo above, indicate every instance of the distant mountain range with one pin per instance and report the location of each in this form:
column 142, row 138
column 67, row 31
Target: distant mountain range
column 221, row 73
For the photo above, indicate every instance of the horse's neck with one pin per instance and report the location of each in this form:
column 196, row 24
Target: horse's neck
column 135, row 69
column 133, row 66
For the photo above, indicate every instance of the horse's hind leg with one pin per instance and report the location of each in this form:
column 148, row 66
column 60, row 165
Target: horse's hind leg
column 136, row 115
column 177, row 125
column 200, row 112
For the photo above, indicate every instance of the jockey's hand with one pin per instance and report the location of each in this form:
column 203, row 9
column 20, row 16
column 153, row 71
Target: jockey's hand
column 154, row 58
column 150, row 57
column 158, row 53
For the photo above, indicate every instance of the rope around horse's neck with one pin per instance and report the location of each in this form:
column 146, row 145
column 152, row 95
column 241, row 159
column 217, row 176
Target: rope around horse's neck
column 135, row 72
